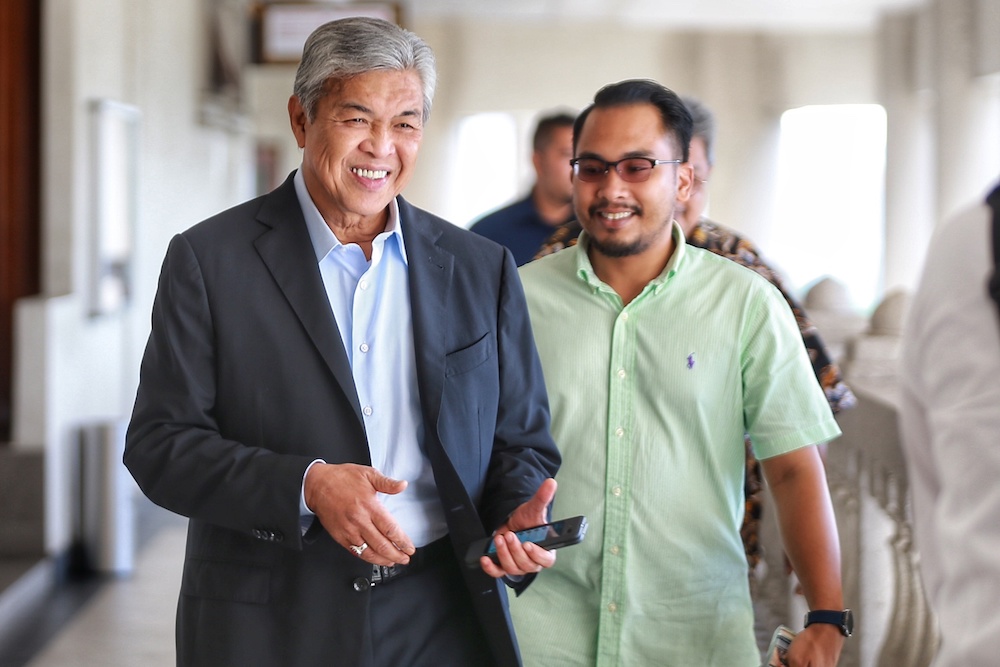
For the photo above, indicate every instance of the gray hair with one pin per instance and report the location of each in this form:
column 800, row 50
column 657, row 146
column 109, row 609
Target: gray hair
column 352, row 46
column 704, row 125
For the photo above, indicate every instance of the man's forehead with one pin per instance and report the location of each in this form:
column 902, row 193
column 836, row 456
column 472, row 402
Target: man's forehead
column 605, row 127
column 397, row 92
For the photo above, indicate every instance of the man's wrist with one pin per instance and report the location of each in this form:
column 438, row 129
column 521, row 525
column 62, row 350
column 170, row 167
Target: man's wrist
column 842, row 619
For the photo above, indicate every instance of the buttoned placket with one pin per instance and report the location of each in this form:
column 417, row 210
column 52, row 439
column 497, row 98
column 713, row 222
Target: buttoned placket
column 619, row 444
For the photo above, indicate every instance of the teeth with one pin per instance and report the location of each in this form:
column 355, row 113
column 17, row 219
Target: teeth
column 370, row 173
column 617, row 216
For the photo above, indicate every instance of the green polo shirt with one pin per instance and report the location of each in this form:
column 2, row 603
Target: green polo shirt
column 650, row 403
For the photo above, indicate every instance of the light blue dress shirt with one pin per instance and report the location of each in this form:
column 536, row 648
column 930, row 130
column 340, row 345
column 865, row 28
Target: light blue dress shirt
column 371, row 304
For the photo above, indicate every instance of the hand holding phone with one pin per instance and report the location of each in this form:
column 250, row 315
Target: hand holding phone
column 555, row 535
column 778, row 650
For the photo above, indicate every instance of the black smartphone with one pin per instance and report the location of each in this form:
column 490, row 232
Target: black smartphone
column 555, row 535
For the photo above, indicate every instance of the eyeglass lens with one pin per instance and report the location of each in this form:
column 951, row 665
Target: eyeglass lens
column 632, row 170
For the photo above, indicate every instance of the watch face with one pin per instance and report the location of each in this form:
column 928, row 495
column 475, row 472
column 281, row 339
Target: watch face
column 848, row 622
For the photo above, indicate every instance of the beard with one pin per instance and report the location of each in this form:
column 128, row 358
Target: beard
column 614, row 248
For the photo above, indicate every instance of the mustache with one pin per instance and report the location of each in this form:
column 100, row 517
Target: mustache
column 599, row 206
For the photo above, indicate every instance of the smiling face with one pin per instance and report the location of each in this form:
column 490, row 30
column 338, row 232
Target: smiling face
column 626, row 219
column 360, row 149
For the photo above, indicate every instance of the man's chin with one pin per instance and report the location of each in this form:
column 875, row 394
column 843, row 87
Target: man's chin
column 616, row 249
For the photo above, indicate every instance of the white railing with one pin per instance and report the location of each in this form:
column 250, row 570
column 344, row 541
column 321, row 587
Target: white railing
column 868, row 482
column 866, row 469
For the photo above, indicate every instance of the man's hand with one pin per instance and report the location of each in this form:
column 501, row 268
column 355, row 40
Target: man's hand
column 819, row 645
column 343, row 498
column 519, row 558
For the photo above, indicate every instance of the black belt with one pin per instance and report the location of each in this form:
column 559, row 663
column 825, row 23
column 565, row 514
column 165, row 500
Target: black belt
column 424, row 557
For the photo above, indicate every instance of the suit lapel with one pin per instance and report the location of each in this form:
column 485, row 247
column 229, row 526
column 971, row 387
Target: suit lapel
column 430, row 272
column 288, row 253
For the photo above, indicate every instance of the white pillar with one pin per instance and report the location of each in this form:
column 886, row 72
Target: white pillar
column 910, row 190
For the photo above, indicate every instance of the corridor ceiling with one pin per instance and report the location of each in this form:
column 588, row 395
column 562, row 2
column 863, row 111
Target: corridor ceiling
column 678, row 14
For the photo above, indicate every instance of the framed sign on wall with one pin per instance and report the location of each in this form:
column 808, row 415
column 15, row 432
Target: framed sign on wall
column 282, row 27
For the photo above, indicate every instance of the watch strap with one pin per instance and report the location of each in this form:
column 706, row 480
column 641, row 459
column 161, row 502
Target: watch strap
column 843, row 619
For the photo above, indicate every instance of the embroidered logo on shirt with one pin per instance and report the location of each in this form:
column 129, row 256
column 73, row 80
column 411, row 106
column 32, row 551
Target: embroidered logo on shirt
column 691, row 361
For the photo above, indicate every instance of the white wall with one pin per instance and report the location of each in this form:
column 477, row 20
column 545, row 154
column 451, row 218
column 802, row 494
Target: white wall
column 71, row 369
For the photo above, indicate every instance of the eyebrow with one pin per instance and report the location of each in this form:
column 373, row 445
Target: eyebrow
column 630, row 154
column 354, row 106
column 361, row 108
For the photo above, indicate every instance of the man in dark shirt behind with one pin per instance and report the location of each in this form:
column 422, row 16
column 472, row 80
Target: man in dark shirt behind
column 524, row 225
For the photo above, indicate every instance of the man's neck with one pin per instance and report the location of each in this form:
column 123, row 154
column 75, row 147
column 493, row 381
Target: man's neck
column 628, row 276
column 553, row 211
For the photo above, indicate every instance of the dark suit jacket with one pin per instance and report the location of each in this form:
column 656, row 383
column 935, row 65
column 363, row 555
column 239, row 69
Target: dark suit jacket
column 245, row 381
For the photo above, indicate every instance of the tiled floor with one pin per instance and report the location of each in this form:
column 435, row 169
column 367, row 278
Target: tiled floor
column 130, row 621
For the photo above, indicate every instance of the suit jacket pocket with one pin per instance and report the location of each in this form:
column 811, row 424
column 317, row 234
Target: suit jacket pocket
column 473, row 356
column 226, row 580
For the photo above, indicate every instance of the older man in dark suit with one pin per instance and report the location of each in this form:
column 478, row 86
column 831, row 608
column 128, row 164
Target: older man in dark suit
column 342, row 393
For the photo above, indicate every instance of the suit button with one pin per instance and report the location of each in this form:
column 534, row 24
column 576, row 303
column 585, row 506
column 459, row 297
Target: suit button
column 361, row 584
column 258, row 533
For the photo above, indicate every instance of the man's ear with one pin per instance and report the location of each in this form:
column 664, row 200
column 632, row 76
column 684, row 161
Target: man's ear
column 536, row 161
column 298, row 119
column 685, row 180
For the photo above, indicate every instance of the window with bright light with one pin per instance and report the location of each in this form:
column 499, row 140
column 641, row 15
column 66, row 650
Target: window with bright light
column 830, row 198
column 485, row 166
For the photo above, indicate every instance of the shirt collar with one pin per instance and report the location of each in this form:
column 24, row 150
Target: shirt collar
column 322, row 237
column 585, row 270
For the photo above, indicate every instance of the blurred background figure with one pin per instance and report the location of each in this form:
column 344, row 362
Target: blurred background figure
column 950, row 421
column 524, row 225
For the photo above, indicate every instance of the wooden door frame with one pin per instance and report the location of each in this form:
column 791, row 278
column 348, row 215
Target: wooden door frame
column 20, row 177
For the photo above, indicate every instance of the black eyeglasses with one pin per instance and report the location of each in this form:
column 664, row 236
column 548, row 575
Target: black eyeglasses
column 630, row 169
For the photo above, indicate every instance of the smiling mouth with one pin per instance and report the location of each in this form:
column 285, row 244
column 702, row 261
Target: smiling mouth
column 372, row 174
column 620, row 215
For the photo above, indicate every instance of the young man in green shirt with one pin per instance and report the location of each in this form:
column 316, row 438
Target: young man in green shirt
column 675, row 354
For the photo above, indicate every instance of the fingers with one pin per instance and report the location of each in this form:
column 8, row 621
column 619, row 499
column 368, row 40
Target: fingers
column 517, row 558
column 535, row 511
column 387, row 543
column 344, row 499
column 388, row 485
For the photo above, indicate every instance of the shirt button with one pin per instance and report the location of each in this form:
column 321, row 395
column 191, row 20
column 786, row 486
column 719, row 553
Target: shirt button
column 615, row 550
column 619, row 431
column 624, row 317
column 364, row 347
column 367, row 410
column 621, row 373
column 363, row 284
column 612, row 607
column 616, row 491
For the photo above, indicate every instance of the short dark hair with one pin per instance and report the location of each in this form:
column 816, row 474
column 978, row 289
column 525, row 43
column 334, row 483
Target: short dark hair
column 549, row 124
column 675, row 116
column 703, row 125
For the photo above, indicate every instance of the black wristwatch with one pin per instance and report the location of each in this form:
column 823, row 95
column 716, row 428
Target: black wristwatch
column 842, row 619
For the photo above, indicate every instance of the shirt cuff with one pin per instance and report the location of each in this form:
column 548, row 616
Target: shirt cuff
column 306, row 515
